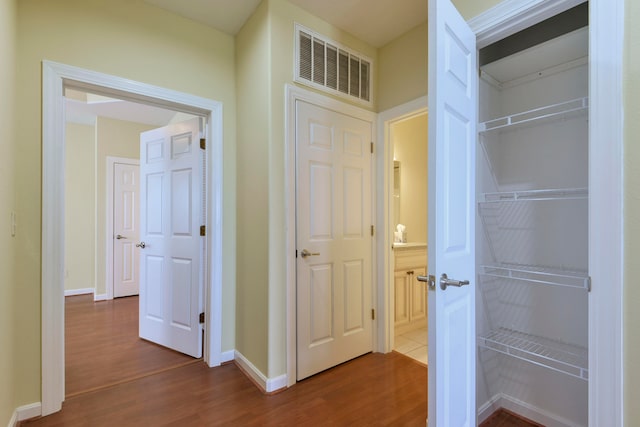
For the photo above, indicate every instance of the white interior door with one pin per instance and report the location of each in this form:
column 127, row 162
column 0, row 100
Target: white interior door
column 171, row 276
column 452, row 142
column 126, row 232
column 334, row 252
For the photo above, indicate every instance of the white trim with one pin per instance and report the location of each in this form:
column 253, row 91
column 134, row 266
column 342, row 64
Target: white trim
column 385, row 268
column 55, row 77
column 293, row 94
column 83, row 291
column 100, row 297
column 606, row 213
column 511, row 16
column 489, row 407
column 227, row 356
column 25, row 412
column 111, row 161
column 534, row 413
column 606, row 142
column 267, row 385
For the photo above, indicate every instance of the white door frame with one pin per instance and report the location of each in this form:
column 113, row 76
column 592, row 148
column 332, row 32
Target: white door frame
column 385, row 268
column 111, row 161
column 55, row 78
column 293, row 94
column 606, row 237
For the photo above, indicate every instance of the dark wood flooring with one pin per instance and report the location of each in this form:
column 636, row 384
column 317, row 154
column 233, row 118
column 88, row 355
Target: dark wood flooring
column 102, row 347
column 372, row 390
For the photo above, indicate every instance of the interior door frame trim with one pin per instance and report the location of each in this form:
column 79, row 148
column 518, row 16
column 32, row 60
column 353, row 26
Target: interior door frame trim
column 109, row 278
column 292, row 95
column 55, row 78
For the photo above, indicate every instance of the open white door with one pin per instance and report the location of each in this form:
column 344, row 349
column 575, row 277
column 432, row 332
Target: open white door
column 452, row 141
column 171, row 181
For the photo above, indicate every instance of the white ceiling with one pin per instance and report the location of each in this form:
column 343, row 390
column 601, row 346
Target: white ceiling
column 376, row 22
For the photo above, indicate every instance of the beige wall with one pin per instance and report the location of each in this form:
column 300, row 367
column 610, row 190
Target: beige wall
column 252, row 65
column 632, row 214
column 411, row 150
column 79, row 236
column 7, row 243
column 402, row 69
column 128, row 39
column 114, row 138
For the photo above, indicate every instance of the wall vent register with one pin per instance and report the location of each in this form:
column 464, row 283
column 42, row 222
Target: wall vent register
column 331, row 67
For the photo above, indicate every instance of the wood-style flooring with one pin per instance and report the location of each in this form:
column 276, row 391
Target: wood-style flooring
column 372, row 390
column 102, row 347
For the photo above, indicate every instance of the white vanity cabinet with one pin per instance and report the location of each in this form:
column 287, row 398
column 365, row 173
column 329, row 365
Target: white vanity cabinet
column 410, row 294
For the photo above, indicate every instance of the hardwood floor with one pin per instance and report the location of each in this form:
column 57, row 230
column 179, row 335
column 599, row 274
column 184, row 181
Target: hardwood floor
column 373, row 390
column 504, row 418
column 164, row 388
column 102, row 347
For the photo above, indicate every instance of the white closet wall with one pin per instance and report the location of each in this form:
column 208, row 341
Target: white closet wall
column 533, row 234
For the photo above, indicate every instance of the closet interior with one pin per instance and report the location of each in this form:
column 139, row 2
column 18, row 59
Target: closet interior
column 532, row 230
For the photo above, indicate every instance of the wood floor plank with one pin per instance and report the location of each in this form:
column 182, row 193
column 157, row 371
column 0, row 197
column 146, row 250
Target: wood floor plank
column 373, row 390
column 102, row 346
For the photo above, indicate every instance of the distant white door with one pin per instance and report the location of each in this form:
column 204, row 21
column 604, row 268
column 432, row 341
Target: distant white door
column 452, row 142
column 334, row 243
column 126, row 232
column 171, row 276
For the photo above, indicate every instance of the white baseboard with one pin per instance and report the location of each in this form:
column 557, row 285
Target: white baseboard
column 489, row 408
column 524, row 409
column 227, row 356
column 266, row 384
column 25, row 412
column 72, row 292
column 100, row 297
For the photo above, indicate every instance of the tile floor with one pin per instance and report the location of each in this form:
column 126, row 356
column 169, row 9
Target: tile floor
column 413, row 344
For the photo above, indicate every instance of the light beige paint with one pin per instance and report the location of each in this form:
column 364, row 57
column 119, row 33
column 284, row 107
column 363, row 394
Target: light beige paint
column 410, row 148
column 129, row 39
column 80, row 175
column 631, row 297
column 114, row 138
column 252, row 68
column 402, row 69
column 8, row 333
column 470, row 8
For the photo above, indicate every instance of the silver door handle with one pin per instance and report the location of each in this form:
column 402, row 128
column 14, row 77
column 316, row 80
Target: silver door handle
column 305, row 253
column 445, row 281
column 141, row 245
column 119, row 236
column 430, row 280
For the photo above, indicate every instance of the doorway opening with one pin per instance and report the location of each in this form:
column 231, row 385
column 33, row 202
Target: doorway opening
column 56, row 79
column 102, row 242
column 408, row 142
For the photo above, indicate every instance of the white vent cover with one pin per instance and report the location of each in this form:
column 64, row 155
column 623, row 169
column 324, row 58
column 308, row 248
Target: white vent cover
column 331, row 67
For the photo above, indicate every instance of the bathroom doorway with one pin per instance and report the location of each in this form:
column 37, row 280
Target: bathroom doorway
column 408, row 139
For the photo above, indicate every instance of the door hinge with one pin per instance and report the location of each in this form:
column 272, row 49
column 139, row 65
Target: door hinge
column 201, row 318
column 589, row 284
column 372, row 148
column 373, row 314
column 203, row 143
column 372, row 230
column 203, row 230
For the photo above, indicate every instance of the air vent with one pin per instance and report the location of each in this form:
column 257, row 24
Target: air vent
column 326, row 65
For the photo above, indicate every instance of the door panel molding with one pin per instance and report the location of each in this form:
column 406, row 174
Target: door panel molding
column 292, row 95
column 55, row 78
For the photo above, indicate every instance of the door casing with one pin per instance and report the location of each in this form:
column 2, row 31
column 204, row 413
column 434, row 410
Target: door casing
column 55, row 78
